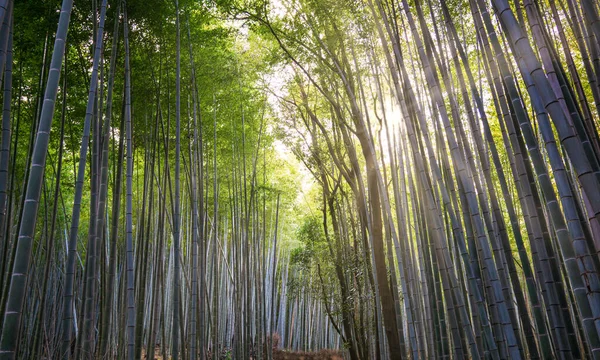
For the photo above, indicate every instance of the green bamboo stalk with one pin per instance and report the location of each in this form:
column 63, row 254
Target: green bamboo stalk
column 16, row 295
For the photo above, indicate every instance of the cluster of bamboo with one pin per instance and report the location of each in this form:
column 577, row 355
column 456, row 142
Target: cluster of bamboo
column 174, row 274
column 459, row 184
column 470, row 242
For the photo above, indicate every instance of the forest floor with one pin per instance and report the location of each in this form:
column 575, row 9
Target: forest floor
column 278, row 354
column 300, row 355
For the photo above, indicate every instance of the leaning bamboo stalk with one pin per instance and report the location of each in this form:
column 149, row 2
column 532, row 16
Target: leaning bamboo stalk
column 12, row 318
column 23, row 247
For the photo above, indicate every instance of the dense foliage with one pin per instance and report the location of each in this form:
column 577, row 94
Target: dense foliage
column 217, row 179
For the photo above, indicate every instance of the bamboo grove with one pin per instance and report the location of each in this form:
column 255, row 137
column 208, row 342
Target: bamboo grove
column 139, row 209
column 252, row 179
